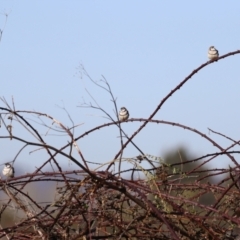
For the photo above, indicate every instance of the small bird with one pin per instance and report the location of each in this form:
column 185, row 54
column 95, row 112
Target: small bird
column 213, row 53
column 123, row 114
column 8, row 170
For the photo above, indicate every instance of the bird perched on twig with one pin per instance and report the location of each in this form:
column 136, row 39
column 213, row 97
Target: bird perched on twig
column 123, row 114
column 8, row 170
column 213, row 53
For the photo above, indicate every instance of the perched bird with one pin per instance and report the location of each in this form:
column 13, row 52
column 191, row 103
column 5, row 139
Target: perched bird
column 213, row 53
column 123, row 114
column 8, row 170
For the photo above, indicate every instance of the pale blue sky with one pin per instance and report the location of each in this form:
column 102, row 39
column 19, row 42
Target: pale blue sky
column 144, row 49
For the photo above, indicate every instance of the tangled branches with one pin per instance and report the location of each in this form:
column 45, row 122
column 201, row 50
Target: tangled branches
column 169, row 202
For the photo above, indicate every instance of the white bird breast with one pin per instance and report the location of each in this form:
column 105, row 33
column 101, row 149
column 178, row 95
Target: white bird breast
column 123, row 114
column 213, row 53
column 8, row 171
